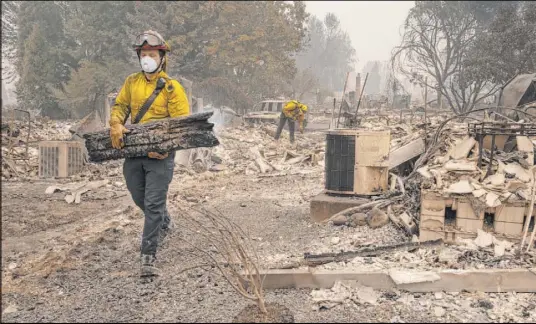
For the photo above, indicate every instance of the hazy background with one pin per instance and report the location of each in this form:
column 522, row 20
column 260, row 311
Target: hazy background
column 373, row 26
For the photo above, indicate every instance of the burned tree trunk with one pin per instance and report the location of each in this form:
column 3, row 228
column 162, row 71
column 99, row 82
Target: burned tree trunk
column 159, row 136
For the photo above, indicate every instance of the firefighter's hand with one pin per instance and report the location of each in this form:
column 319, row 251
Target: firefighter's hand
column 116, row 134
column 156, row 155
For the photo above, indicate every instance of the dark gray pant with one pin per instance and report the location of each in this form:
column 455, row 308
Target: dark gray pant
column 291, row 123
column 148, row 182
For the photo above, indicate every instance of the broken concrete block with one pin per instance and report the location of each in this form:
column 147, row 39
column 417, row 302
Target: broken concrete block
column 492, row 200
column 339, row 220
column 408, row 223
column 462, row 149
column 517, row 170
column 460, row 187
column 479, row 193
column 496, row 180
column 402, row 277
column 483, row 239
column 358, row 219
column 377, row 218
column 513, row 186
column 324, row 206
column 460, row 166
column 406, row 153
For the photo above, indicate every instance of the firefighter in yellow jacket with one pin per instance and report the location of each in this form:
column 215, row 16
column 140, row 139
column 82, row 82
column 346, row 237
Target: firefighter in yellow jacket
column 148, row 178
column 292, row 112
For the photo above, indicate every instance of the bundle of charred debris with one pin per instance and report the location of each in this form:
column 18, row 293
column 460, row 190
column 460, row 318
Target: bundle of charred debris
column 159, row 136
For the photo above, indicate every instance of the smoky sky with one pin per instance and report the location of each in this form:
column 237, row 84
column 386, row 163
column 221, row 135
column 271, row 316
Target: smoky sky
column 373, row 26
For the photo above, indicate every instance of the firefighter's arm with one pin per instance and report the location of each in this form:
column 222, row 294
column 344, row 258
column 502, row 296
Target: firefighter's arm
column 301, row 118
column 120, row 109
column 177, row 100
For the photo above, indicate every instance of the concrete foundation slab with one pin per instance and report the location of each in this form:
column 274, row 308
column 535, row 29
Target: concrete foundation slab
column 323, row 206
column 488, row 280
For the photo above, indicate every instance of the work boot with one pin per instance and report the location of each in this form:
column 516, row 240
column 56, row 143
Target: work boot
column 148, row 268
column 167, row 228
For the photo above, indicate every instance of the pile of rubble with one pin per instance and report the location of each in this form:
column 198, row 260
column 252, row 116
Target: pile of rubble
column 20, row 142
column 253, row 150
column 441, row 306
column 454, row 170
column 20, row 150
column 453, row 167
column 484, row 252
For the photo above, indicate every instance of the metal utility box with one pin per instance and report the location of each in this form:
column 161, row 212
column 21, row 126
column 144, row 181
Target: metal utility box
column 357, row 161
column 60, row 158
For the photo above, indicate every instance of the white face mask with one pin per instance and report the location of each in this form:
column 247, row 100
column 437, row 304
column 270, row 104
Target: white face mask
column 148, row 64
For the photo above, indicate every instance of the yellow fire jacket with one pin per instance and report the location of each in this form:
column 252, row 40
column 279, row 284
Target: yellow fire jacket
column 170, row 102
column 295, row 110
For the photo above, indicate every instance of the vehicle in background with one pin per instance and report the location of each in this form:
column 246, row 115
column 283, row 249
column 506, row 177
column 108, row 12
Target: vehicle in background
column 268, row 111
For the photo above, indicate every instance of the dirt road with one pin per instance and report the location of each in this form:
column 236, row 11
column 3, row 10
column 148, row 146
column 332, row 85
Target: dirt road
column 79, row 263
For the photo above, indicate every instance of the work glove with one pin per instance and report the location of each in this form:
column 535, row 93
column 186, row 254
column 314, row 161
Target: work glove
column 158, row 156
column 116, row 134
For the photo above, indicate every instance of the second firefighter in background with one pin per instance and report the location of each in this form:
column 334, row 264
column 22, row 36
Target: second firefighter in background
column 292, row 112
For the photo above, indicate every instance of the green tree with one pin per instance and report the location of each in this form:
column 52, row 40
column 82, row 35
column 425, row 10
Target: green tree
column 33, row 88
column 42, row 59
column 508, row 38
column 103, row 53
column 49, row 16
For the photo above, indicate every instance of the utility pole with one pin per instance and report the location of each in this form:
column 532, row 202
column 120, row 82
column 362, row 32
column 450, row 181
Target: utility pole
column 425, row 109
